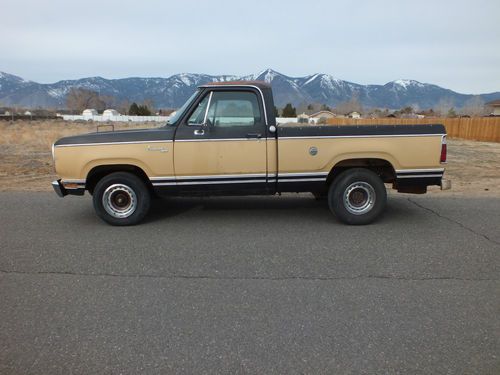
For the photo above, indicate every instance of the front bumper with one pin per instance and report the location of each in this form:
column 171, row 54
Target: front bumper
column 59, row 189
column 70, row 188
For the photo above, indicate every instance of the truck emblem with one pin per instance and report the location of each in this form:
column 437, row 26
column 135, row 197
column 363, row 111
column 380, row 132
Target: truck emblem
column 161, row 149
column 313, row 151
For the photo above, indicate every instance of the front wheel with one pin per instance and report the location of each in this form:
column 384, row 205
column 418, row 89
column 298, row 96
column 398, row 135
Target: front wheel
column 357, row 196
column 121, row 198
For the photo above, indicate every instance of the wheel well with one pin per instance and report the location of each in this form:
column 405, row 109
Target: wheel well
column 101, row 171
column 380, row 166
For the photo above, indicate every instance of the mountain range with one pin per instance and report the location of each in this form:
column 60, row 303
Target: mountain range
column 171, row 92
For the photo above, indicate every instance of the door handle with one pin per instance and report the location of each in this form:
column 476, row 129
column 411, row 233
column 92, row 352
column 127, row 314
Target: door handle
column 199, row 132
column 254, row 135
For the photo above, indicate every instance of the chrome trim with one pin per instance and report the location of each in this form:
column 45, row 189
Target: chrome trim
column 164, row 183
column 207, row 182
column 359, row 136
column 243, row 85
column 219, row 139
column 73, row 181
column 208, row 107
column 421, row 175
column 198, row 131
column 301, row 180
column 162, row 178
column 419, row 170
column 220, row 176
column 111, row 143
column 286, row 174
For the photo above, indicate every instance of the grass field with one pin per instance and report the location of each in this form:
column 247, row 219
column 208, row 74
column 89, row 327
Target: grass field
column 26, row 161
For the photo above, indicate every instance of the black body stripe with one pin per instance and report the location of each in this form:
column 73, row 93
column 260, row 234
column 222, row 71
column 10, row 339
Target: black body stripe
column 354, row 130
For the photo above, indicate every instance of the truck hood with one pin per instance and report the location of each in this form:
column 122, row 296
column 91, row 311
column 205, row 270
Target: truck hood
column 140, row 135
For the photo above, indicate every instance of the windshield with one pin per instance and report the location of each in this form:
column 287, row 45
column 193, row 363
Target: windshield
column 172, row 120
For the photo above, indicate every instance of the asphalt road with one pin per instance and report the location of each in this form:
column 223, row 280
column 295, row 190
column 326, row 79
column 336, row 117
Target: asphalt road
column 249, row 285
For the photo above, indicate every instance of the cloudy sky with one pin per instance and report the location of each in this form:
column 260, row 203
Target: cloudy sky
column 452, row 43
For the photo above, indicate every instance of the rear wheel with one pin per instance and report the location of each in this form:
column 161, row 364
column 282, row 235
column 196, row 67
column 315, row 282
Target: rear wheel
column 357, row 196
column 121, row 198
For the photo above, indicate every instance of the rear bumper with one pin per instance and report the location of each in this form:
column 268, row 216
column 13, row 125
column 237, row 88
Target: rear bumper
column 419, row 185
column 445, row 184
column 71, row 188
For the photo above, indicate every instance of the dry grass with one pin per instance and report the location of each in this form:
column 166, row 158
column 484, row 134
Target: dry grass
column 26, row 161
column 25, row 150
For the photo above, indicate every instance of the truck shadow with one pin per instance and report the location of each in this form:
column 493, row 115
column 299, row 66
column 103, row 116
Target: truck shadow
column 302, row 207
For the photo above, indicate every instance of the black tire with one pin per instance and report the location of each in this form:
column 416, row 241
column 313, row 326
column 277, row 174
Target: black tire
column 121, row 198
column 357, row 196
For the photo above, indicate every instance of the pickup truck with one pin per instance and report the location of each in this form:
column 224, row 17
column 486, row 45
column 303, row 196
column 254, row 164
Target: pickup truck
column 225, row 141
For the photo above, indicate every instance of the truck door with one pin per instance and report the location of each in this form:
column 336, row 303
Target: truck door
column 221, row 144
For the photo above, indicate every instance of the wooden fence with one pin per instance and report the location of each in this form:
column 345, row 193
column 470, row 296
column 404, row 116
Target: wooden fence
column 485, row 129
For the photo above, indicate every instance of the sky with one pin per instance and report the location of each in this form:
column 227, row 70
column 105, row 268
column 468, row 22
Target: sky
column 452, row 43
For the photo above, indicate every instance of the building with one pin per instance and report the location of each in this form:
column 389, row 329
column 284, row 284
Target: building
column 110, row 113
column 354, row 114
column 315, row 118
column 322, row 116
column 89, row 113
column 495, row 104
column 303, row 118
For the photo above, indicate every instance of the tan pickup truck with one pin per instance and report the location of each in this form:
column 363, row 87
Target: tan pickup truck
column 225, row 141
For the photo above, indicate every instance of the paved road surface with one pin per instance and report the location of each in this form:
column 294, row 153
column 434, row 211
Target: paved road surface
column 249, row 285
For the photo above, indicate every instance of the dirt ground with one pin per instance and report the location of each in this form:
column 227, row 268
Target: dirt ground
column 26, row 161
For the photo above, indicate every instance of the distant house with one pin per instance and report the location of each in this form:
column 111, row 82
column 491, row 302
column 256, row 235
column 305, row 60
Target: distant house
column 27, row 113
column 354, row 114
column 89, row 113
column 303, row 118
column 110, row 113
column 495, row 104
column 317, row 117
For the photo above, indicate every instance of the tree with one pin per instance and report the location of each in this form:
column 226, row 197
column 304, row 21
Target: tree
column 474, row 107
column 289, row 111
column 451, row 113
column 324, row 107
column 79, row 99
column 133, row 110
column 444, row 106
column 139, row 110
column 276, row 112
column 310, row 107
column 144, row 110
column 351, row 105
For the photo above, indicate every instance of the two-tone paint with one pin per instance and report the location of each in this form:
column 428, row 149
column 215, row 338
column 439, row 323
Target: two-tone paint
column 182, row 158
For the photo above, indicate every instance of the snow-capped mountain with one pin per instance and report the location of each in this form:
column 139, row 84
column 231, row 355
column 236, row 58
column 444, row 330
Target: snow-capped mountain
column 171, row 92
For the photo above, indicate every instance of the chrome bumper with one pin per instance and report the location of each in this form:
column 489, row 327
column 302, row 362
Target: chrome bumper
column 59, row 189
column 445, row 184
column 72, row 187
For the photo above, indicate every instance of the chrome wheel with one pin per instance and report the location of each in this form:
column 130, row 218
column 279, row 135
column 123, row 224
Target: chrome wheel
column 359, row 198
column 119, row 201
